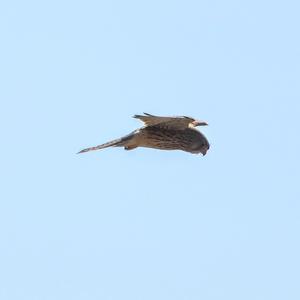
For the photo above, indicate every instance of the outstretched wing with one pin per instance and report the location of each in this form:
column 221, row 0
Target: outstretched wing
column 165, row 122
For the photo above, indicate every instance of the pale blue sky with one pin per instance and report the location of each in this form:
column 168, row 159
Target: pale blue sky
column 147, row 224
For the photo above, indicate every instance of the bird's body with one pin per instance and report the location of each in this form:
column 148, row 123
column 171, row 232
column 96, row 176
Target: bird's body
column 164, row 133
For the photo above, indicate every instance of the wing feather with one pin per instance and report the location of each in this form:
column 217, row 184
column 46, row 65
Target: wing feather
column 165, row 122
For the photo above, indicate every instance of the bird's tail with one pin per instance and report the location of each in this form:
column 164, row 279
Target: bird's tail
column 115, row 143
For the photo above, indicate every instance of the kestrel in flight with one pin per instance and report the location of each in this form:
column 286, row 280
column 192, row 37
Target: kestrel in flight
column 165, row 133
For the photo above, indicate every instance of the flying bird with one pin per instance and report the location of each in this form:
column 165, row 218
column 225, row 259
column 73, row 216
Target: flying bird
column 164, row 133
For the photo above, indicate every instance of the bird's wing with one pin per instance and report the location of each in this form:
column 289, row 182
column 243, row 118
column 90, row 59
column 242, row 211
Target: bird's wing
column 164, row 122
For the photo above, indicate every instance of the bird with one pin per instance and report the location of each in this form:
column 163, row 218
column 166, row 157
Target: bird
column 164, row 133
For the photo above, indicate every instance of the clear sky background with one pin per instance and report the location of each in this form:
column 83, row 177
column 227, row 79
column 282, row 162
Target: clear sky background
column 149, row 224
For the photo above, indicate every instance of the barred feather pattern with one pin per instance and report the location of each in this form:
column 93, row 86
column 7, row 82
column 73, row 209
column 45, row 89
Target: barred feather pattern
column 189, row 140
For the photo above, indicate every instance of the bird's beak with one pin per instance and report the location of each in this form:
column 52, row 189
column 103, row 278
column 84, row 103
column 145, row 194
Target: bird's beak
column 204, row 152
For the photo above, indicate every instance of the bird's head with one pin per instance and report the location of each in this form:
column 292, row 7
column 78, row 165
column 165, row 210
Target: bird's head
column 204, row 149
column 200, row 146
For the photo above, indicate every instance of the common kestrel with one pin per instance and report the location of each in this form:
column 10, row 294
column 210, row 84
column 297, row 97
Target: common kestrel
column 165, row 133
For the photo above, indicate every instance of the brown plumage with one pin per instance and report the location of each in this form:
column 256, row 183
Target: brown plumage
column 165, row 133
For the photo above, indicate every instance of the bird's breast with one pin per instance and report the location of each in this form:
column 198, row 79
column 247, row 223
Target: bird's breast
column 170, row 139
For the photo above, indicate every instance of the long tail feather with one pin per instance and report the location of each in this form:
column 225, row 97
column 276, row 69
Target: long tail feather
column 117, row 142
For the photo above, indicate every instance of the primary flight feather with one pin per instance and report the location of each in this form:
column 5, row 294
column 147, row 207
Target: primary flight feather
column 164, row 133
